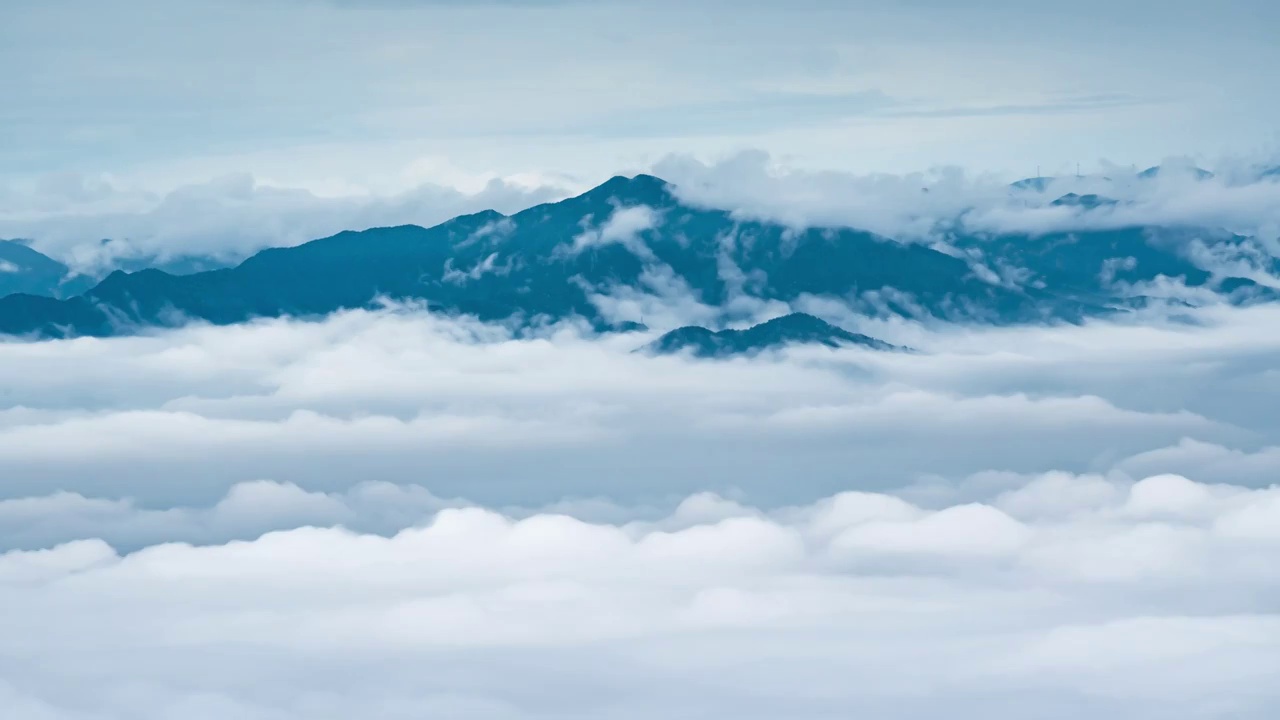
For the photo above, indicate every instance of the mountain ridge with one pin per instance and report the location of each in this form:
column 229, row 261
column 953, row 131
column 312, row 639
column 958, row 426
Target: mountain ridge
column 23, row 269
column 556, row 260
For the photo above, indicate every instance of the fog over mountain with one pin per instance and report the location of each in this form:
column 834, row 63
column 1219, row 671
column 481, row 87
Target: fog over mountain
column 605, row 254
column 696, row 454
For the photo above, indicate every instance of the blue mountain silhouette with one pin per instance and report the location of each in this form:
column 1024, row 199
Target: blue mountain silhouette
column 26, row 270
column 796, row 328
column 550, row 260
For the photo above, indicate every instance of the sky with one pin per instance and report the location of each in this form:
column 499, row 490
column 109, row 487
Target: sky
column 355, row 96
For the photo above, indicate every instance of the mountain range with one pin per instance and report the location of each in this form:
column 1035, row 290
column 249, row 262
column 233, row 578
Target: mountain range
column 629, row 235
column 26, row 270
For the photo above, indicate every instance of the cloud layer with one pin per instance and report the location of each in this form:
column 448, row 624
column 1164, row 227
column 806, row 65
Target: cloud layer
column 1069, row 593
column 392, row 514
column 401, row 396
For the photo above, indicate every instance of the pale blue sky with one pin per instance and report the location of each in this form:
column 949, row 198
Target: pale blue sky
column 379, row 94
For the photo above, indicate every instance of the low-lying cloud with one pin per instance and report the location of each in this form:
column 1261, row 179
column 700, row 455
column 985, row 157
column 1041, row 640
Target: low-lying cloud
column 1146, row 598
column 403, row 396
column 392, row 514
column 624, row 228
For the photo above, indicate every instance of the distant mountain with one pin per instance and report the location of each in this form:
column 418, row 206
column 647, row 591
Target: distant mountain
column 1160, row 170
column 1089, row 263
column 26, row 270
column 547, row 261
column 627, row 326
column 179, row 265
column 796, row 328
column 1035, row 184
column 1042, row 184
column 23, row 269
column 1089, row 201
column 557, row 260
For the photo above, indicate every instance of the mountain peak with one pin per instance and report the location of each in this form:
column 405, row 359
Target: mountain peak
column 1088, row 201
column 1036, row 184
column 475, row 221
column 796, row 328
column 1161, row 170
column 641, row 189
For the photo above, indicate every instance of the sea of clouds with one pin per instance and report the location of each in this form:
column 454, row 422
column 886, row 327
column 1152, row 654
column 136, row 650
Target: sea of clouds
column 390, row 514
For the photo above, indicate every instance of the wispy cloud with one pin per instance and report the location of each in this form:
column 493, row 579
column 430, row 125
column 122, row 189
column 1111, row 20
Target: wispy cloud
column 1079, row 104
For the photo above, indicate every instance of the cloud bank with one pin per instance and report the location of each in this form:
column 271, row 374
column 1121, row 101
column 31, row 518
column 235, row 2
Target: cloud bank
column 402, row 396
column 1069, row 593
column 393, row 514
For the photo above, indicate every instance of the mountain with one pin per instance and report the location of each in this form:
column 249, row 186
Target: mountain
column 549, row 260
column 796, row 328
column 1089, row 201
column 1159, row 170
column 179, row 265
column 23, row 269
column 628, row 235
column 1105, row 267
column 1041, row 184
column 1035, row 184
column 26, row 270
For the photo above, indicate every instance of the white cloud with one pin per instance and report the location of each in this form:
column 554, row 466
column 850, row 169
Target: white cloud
column 488, row 266
column 391, row 513
column 926, row 206
column 624, row 227
column 661, row 300
column 456, row 405
column 854, row 602
column 247, row 511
